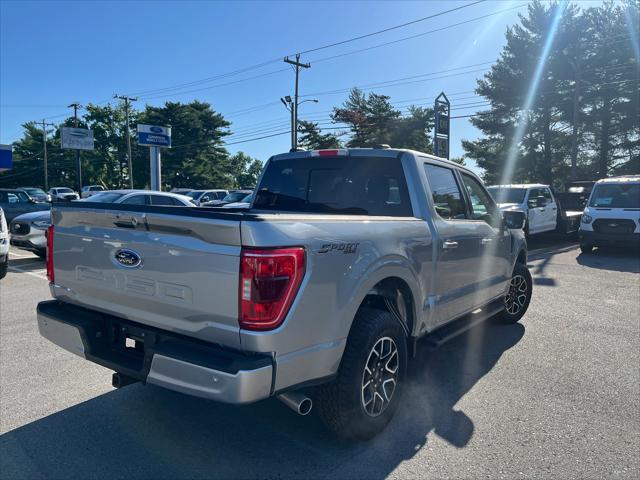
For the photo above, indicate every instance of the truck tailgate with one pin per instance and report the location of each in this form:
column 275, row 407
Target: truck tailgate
column 186, row 280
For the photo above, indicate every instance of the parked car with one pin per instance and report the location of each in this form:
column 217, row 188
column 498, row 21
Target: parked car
column 244, row 203
column 89, row 190
column 612, row 216
column 181, row 191
column 62, row 194
column 4, row 245
column 203, row 196
column 346, row 259
column 16, row 202
column 28, row 232
column 141, row 197
column 37, row 194
column 543, row 210
column 232, row 197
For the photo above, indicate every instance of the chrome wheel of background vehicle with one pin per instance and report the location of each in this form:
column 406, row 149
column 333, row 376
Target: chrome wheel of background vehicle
column 380, row 376
column 516, row 298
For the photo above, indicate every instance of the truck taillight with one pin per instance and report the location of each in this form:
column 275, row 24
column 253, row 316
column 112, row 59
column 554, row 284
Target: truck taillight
column 50, row 274
column 269, row 281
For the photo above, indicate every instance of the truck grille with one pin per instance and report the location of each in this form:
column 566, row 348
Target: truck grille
column 614, row 225
column 20, row 228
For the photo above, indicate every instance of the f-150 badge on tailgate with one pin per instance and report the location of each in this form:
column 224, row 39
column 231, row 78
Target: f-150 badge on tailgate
column 128, row 258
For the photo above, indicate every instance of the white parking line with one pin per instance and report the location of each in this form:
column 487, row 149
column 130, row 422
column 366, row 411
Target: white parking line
column 18, row 255
column 33, row 274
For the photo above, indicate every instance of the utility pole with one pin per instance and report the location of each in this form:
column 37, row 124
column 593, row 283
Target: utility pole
column 296, row 63
column 44, row 141
column 75, row 107
column 126, row 100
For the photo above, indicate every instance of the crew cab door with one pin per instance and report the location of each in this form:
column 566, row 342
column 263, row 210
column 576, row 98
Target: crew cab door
column 494, row 242
column 550, row 213
column 457, row 259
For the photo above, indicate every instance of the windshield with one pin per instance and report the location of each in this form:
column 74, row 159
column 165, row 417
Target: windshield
column 340, row 185
column 64, row 190
column 234, row 197
column 34, row 191
column 619, row 195
column 105, row 197
column 507, row 195
column 194, row 193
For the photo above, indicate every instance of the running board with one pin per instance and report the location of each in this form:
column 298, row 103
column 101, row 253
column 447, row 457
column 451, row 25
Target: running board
column 447, row 332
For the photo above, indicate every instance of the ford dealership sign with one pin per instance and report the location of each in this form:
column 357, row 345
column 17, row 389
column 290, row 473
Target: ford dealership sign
column 154, row 136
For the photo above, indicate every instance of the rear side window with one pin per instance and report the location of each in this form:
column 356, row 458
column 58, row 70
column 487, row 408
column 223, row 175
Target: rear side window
column 445, row 191
column 337, row 185
column 136, row 200
column 162, row 200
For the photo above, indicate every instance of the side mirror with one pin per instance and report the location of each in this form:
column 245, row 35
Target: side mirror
column 514, row 219
column 204, row 199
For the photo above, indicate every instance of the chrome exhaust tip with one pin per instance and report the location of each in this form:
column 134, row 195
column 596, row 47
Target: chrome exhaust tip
column 298, row 402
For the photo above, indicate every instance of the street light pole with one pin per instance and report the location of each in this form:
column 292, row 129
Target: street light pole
column 289, row 105
column 75, row 107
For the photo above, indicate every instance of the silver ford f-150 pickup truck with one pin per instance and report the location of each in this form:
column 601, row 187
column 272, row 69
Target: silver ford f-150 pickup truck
column 318, row 292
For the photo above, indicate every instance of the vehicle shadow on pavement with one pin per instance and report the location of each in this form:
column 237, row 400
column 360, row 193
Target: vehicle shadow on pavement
column 610, row 259
column 149, row 432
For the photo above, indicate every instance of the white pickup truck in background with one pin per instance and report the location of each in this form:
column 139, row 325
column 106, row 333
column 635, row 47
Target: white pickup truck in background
column 542, row 208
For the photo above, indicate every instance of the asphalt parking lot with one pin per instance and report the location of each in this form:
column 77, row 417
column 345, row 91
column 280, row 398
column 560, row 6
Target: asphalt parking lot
column 557, row 395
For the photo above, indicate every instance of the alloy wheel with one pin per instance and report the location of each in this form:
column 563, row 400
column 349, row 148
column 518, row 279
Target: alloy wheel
column 380, row 376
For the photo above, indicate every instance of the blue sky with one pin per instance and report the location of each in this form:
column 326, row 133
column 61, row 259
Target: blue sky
column 53, row 53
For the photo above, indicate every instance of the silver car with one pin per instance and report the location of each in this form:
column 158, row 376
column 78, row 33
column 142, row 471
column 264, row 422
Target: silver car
column 28, row 232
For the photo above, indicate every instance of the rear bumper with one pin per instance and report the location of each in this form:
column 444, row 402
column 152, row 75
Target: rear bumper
column 159, row 357
column 603, row 239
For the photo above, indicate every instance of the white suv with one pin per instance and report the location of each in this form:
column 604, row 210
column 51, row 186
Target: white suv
column 612, row 215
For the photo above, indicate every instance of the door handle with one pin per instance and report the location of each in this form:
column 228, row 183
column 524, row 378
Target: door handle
column 449, row 245
column 486, row 241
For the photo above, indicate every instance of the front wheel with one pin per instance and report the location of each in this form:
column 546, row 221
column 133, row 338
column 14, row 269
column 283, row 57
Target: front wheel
column 518, row 297
column 363, row 398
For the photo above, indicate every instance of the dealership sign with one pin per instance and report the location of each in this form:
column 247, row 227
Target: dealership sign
column 6, row 158
column 77, row 138
column 154, row 136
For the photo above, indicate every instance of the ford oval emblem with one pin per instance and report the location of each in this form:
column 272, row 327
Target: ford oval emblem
column 155, row 129
column 127, row 258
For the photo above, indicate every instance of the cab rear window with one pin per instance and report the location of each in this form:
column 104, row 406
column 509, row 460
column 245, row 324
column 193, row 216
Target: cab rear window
column 336, row 185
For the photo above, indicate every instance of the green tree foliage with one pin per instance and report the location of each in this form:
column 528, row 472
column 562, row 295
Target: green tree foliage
column 372, row 120
column 198, row 158
column 312, row 138
column 584, row 117
column 245, row 170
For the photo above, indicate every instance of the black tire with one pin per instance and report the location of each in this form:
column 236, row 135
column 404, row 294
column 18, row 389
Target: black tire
column 341, row 402
column 586, row 248
column 518, row 297
column 4, row 266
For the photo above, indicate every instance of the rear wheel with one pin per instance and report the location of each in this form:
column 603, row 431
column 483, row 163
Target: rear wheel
column 586, row 248
column 518, row 297
column 363, row 398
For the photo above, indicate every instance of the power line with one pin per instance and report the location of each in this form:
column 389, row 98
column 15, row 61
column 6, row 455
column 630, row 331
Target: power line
column 147, row 93
column 360, row 37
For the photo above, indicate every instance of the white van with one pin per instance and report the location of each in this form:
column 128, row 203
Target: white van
column 612, row 215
